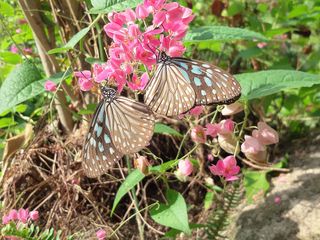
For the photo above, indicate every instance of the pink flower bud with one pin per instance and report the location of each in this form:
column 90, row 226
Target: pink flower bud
column 196, row 111
column 14, row 49
column 142, row 12
column 185, row 167
column 232, row 109
column 50, row 86
column 265, row 134
column 198, row 135
column 253, row 149
column 212, row 129
column 226, row 126
column 34, row 215
column 277, row 200
column 101, row 234
column 23, row 215
column 13, row 214
column 5, row 219
column 262, row 44
column 142, row 164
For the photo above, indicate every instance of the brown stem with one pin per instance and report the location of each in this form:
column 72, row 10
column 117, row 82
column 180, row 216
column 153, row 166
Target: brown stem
column 49, row 62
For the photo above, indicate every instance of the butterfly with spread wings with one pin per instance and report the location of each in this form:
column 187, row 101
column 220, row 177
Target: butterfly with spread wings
column 179, row 84
column 119, row 126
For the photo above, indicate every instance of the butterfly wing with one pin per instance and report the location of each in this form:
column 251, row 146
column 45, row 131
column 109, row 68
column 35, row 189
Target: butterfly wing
column 211, row 84
column 169, row 92
column 99, row 152
column 131, row 124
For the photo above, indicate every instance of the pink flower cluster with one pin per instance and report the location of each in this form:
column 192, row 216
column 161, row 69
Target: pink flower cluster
column 165, row 24
column 101, row 234
column 21, row 215
column 222, row 130
column 254, row 147
column 226, row 168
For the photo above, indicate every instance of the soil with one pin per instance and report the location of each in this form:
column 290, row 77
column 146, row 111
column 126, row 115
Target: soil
column 291, row 210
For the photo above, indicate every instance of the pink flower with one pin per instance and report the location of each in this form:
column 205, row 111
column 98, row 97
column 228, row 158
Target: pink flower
column 227, row 168
column 5, row 219
column 226, row 126
column 34, row 215
column 141, row 11
column 277, row 200
column 265, row 134
column 13, row 214
column 212, row 129
column 155, row 4
column 139, row 84
column 251, row 145
column 14, row 49
column 142, row 164
column 27, row 50
column 262, row 44
column 23, row 215
column 18, row 30
column 198, row 135
column 253, row 149
column 84, row 80
column 196, row 111
column 50, row 86
column 185, row 167
column 232, row 109
column 210, row 157
column 159, row 18
column 101, row 234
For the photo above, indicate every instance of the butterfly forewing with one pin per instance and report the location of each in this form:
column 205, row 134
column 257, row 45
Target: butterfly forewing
column 134, row 126
column 169, row 92
column 99, row 152
column 210, row 83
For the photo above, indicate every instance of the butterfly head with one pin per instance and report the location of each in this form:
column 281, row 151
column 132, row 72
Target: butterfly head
column 108, row 93
column 163, row 57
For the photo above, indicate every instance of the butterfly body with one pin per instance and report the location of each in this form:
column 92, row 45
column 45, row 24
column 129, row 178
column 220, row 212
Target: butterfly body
column 119, row 126
column 180, row 84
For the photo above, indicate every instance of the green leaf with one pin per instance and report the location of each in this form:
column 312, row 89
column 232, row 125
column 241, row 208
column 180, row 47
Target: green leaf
column 23, row 83
column 9, row 57
column 6, row 122
column 208, row 200
column 132, row 180
column 172, row 233
column 19, row 79
column 72, row 42
column 106, row 6
column 89, row 110
column 221, row 33
column 162, row 168
column 173, row 214
column 6, row 9
column 165, row 129
column 264, row 83
column 92, row 60
column 255, row 184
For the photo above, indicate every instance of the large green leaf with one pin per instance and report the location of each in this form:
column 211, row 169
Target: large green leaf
column 264, row 83
column 132, row 180
column 221, row 33
column 105, row 6
column 72, row 42
column 172, row 214
column 256, row 183
column 23, row 83
column 165, row 129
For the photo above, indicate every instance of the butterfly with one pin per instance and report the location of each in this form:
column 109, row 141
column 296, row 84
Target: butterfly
column 119, row 126
column 179, row 84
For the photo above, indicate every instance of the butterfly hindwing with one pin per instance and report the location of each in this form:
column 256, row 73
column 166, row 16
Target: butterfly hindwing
column 99, row 152
column 169, row 92
column 210, row 83
column 131, row 124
